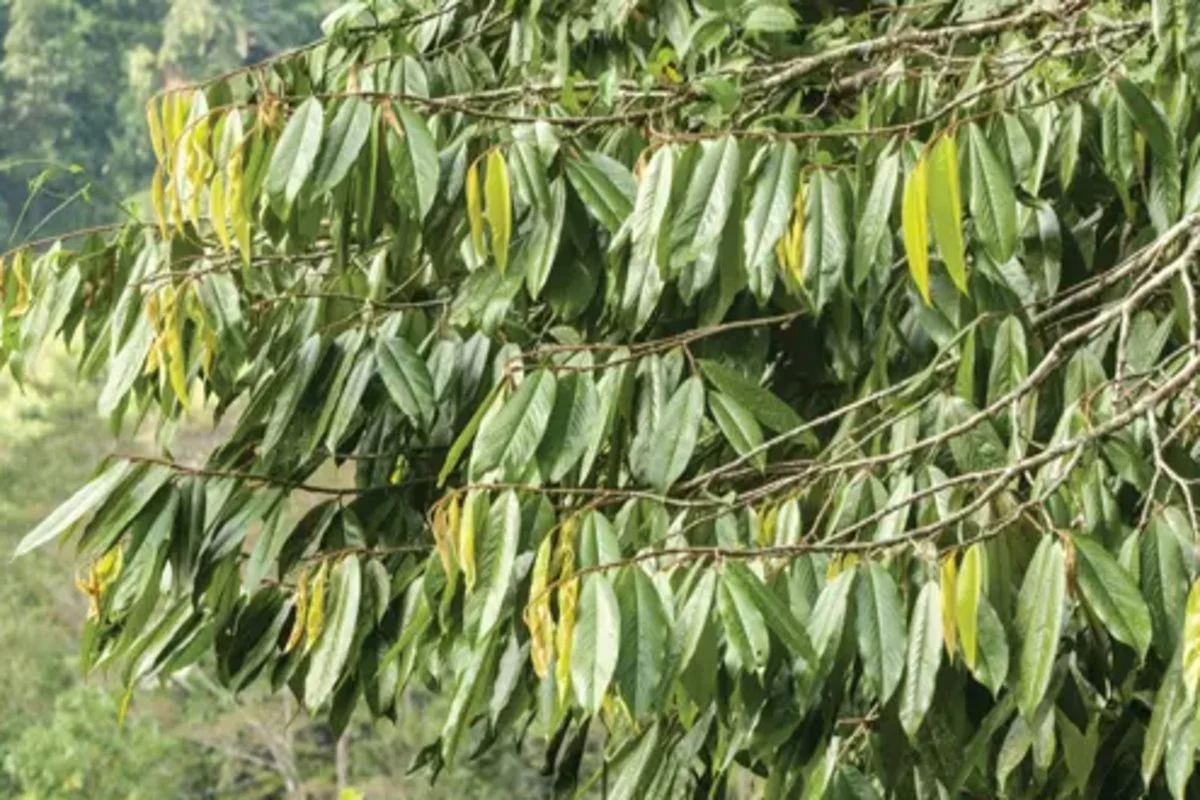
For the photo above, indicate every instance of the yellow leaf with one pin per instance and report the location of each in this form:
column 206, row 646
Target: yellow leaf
column 441, row 538
column 475, row 211
column 314, row 620
column 1191, row 642
column 108, row 567
column 158, row 201
column 915, row 221
column 301, row 603
column 176, row 360
column 794, row 248
column 945, row 207
column 499, row 207
column 537, row 612
column 949, row 594
column 465, row 528
column 20, row 272
column 154, row 124
column 238, row 213
column 216, row 211
column 568, row 597
column 970, row 584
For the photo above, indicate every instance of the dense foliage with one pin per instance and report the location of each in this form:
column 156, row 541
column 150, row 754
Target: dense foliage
column 806, row 389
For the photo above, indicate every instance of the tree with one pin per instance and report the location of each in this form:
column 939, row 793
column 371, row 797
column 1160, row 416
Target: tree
column 807, row 394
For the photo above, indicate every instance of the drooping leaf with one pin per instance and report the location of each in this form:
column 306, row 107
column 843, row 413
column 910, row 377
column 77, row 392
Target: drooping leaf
column 881, row 628
column 80, row 504
column 738, row 425
column 497, row 551
column 674, row 437
column 406, row 377
column 1111, row 593
column 924, row 656
column 744, row 624
column 596, row 643
column 993, row 200
column 347, row 134
column 606, row 187
column 970, row 586
column 915, row 222
column 498, row 190
column 945, row 207
column 511, row 437
column 1190, row 668
column 332, row 648
column 770, row 210
column 778, row 616
column 873, row 225
column 645, row 626
column 1039, row 623
column 296, row 154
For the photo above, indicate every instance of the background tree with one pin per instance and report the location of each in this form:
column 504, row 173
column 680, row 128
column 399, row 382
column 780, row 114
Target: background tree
column 807, row 395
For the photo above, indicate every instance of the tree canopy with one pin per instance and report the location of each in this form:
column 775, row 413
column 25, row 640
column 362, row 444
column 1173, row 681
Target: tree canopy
column 801, row 389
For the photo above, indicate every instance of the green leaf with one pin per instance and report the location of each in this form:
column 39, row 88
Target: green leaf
column 873, row 225
column 1165, row 579
column 511, row 437
column 406, row 377
column 778, row 616
column 643, row 282
column 1191, row 643
column 1010, row 360
column 770, row 212
column 332, row 648
column 416, row 164
column 881, row 628
column 1181, row 751
column 297, row 374
column 696, row 232
column 1167, row 701
column 635, row 766
column 691, row 622
column 1111, row 593
column 80, row 504
column 739, row 427
column 674, row 436
column 498, row 191
column 596, row 642
column 471, row 683
column 541, row 247
column 645, row 626
column 529, row 174
column 1070, row 137
column 766, row 407
column 606, row 187
column 945, row 207
column 915, row 227
column 349, row 401
column 347, row 134
column 744, row 624
column 1149, row 119
column 770, row 19
column 497, row 553
column 576, row 412
column 1039, row 623
column 296, row 153
column 826, row 238
column 924, row 657
column 993, row 200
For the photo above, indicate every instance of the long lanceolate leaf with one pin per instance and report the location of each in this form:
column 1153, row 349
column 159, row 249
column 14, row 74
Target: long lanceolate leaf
column 769, row 389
